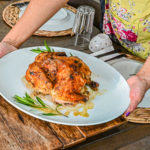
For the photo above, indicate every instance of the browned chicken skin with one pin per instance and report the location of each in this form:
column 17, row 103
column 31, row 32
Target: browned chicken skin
column 64, row 78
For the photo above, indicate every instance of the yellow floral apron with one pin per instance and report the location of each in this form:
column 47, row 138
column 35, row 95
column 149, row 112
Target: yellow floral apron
column 129, row 22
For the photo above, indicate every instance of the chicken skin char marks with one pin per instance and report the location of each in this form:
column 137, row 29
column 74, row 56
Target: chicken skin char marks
column 64, row 78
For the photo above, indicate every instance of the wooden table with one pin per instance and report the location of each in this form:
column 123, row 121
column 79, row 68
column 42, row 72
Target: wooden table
column 21, row 131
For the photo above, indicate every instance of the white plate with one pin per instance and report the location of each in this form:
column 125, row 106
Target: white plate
column 127, row 68
column 108, row 106
column 62, row 20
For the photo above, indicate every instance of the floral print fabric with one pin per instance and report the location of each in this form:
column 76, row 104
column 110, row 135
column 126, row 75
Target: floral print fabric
column 129, row 22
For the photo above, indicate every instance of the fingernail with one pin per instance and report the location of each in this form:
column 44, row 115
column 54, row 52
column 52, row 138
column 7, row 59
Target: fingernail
column 127, row 114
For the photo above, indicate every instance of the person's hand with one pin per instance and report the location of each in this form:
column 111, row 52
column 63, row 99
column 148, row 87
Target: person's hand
column 138, row 87
column 6, row 48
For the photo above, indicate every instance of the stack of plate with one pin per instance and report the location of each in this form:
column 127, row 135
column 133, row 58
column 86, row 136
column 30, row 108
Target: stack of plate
column 59, row 25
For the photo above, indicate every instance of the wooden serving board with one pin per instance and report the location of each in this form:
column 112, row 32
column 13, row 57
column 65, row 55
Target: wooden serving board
column 21, row 131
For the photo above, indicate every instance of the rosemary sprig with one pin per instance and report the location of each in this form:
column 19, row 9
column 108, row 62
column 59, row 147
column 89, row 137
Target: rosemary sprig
column 49, row 114
column 26, row 101
column 27, row 95
column 71, row 54
column 38, row 50
column 52, row 50
column 48, row 49
column 58, row 107
column 59, row 111
column 38, row 103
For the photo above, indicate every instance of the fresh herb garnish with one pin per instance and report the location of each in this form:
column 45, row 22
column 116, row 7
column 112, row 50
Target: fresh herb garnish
column 38, row 50
column 38, row 103
column 26, row 101
column 59, row 105
column 48, row 49
column 71, row 54
column 49, row 114
column 52, row 50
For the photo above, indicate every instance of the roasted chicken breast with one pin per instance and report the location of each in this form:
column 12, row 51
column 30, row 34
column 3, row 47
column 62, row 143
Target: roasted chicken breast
column 64, row 78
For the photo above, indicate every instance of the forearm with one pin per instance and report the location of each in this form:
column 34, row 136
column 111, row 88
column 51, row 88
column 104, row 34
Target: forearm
column 36, row 14
column 144, row 72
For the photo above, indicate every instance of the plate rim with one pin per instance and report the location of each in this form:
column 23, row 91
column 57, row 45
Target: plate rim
column 57, row 24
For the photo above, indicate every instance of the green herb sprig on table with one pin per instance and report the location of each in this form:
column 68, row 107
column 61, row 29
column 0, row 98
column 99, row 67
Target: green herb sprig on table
column 48, row 49
column 38, row 103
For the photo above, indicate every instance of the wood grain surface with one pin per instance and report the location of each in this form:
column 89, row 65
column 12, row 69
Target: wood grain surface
column 126, row 135
column 29, row 132
column 90, row 131
column 68, row 135
column 7, row 139
column 26, row 132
